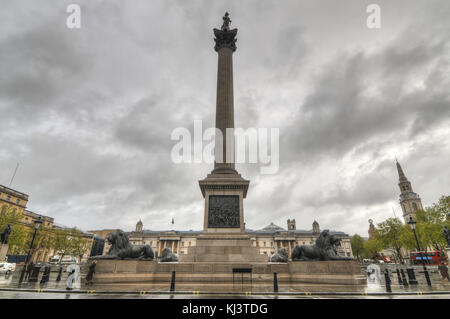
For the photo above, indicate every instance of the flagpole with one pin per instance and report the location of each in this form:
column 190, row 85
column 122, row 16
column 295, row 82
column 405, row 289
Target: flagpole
column 12, row 178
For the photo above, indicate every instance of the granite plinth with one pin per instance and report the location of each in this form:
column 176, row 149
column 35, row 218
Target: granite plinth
column 230, row 248
column 345, row 272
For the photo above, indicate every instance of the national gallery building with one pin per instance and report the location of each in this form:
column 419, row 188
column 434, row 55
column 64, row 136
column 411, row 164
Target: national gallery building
column 268, row 240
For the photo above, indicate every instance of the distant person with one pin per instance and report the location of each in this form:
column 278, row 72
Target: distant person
column 90, row 275
column 443, row 269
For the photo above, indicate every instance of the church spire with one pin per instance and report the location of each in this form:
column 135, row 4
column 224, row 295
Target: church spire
column 401, row 175
column 409, row 201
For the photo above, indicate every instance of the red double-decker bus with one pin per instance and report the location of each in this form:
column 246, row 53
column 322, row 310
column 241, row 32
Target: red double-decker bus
column 431, row 257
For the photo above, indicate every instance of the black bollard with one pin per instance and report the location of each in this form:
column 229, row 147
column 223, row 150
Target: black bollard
column 34, row 275
column 59, row 274
column 387, row 279
column 275, row 282
column 405, row 282
column 398, row 277
column 411, row 276
column 172, row 283
column 427, row 277
column 45, row 274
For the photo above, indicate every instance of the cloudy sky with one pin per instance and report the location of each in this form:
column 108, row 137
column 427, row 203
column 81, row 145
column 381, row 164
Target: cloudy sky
column 88, row 112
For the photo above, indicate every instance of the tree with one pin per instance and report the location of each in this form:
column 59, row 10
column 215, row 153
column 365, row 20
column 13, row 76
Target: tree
column 79, row 245
column 70, row 241
column 44, row 241
column 430, row 223
column 357, row 244
column 442, row 207
column 371, row 248
column 62, row 242
column 18, row 239
column 391, row 234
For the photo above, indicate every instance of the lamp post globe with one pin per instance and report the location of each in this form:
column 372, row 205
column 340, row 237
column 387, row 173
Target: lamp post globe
column 37, row 223
column 412, row 223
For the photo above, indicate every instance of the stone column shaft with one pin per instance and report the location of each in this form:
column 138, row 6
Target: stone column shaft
column 225, row 46
column 225, row 105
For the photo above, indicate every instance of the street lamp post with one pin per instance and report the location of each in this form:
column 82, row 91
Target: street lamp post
column 37, row 224
column 413, row 223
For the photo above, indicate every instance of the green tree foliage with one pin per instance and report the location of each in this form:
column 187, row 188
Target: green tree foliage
column 62, row 242
column 79, row 244
column 371, row 248
column 70, row 242
column 442, row 208
column 19, row 233
column 357, row 244
column 45, row 239
column 430, row 223
column 391, row 234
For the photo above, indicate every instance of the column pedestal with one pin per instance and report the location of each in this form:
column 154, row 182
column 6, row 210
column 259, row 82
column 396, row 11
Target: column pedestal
column 224, row 203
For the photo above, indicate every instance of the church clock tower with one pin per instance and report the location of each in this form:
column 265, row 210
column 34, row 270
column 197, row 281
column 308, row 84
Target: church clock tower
column 409, row 201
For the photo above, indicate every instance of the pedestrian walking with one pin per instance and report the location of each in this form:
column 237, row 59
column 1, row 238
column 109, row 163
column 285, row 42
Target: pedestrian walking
column 443, row 269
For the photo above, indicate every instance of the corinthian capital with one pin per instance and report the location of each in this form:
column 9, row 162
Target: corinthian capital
column 225, row 39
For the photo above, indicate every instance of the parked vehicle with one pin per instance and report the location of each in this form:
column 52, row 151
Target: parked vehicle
column 387, row 260
column 66, row 260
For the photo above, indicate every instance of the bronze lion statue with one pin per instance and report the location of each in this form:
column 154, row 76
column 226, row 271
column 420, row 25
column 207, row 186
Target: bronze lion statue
column 325, row 248
column 280, row 257
column 121, row 248
column 168, row 256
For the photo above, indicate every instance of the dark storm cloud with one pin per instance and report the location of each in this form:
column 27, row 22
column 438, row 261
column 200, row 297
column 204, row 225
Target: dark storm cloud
column 88, row 113
column 338, row 115
column 38, row 68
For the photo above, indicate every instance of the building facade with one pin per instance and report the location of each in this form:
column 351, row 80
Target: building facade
column 12, row 199
column 269, row 239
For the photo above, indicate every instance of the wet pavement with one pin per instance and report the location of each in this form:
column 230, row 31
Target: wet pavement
column 62, row 295
column 11, row 289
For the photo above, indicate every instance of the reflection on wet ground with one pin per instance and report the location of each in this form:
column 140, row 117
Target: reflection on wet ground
column 34, row 295
column 217, row 290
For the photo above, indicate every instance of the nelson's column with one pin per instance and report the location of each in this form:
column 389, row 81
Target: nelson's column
column 223, row 238
column 224, row 189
